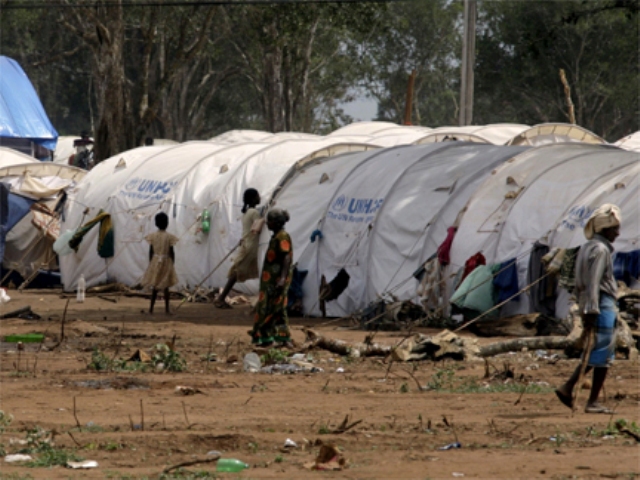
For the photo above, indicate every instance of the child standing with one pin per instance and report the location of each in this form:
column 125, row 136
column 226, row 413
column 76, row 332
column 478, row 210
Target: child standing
column 160, row 274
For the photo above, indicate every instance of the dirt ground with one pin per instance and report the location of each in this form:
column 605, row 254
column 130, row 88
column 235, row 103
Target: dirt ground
column 135, row 424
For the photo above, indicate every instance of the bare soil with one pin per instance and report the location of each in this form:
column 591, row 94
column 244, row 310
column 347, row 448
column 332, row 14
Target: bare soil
column 135, row 424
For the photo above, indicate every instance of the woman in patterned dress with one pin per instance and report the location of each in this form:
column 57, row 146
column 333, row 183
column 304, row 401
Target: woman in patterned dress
column 160, row 274
column 271, row 323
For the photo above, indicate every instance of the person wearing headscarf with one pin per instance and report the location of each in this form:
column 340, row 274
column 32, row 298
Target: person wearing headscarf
column 245, row 265
column 271, row 324
column 595, row 291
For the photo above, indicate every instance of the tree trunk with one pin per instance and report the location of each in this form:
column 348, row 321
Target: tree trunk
column 273, row 91
column 113, row 135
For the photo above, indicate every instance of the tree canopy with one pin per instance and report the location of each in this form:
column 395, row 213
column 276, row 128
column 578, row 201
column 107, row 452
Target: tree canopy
column 191, row 71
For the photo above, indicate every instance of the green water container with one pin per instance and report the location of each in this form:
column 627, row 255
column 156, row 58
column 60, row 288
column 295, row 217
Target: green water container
column 230, row 465
column 25, row 338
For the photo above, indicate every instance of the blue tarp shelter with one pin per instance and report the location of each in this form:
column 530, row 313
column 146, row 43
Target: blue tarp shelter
column 21, row 113
column 13, row 208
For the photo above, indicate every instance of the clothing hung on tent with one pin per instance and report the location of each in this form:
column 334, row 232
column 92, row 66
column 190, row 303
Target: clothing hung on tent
column 105, row 237
column 567, row 279
column 542, row 293
column 506, row 281
column 476, row 292
column 445, row 247
column 430, row 287
column 626, row 266
column 471, row 264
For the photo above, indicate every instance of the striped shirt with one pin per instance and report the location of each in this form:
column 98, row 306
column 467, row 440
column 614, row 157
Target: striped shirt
column 594, row 274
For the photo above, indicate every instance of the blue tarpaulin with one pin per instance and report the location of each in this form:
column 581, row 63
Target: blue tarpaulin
column 21, row 113
column 13, row 208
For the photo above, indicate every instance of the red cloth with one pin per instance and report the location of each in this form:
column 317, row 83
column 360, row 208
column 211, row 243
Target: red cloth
column 445, row 247
column 471, row 264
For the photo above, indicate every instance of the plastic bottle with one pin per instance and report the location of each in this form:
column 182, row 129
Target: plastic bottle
column 230, row 465
column 206, row 221
column 81, row 287
column 251, row 362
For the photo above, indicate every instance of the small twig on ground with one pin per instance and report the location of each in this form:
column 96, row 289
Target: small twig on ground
column 208, row 360
column 345, row 425
column 35, row 360
column 388, row 370
column 64, row 316
column 115, row 354
column 192, row 462
column 74, row 440
column 420, row 387
column 521, row 394
column 112, row 300
column 626, row 431
column 141, row 416
column 248, row 400
column 326, row 385
column 75, row 415
column 226, row 350
column 131, row 423
column 186, row 417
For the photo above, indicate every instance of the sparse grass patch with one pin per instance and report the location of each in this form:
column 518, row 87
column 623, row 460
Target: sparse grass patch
column 39, row 443
column 445, row 380
column 274, row 356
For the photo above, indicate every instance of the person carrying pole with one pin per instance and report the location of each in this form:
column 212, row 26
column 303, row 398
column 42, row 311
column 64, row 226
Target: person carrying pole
column 245, row 265
column 595, row 292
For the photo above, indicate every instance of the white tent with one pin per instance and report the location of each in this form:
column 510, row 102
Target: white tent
column 523, row 200
column 496, row 134
column 9, row 156
column 64, row 149
column 381, row 214
column 630, row 142
column 29, row 244
column 181, row 180
column 620, row 186
column 241, row 136
column 555, row 133
column 363, row 128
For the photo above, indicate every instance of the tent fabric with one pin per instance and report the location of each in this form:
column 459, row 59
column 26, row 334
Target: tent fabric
column 555, row 133
column 21, row 113
column 495, row 134
column 378, row 213
column 630, row 142
column 381, row 213
column 363, row 128
column 539, row 196
column 4, row 215
column 10, row 157
column 19, row 206
column 181, row 180
column 27, row 246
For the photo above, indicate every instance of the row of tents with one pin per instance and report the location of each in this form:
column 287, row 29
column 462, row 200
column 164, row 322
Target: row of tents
column 375, row 200
column 375, row 212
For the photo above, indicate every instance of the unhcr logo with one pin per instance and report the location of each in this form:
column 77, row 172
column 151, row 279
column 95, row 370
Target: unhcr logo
column 146, row 189
column 132, row 184
column 340, row 203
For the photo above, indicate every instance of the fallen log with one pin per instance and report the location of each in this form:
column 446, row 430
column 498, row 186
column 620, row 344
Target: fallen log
column 532, row 343
column 315, row 340
column 15, row 313
column 110, row 287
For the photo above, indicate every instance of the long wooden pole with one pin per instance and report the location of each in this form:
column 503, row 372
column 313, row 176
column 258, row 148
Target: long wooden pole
column 408, row 106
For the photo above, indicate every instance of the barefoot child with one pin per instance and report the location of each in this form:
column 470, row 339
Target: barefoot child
column 160, row 274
